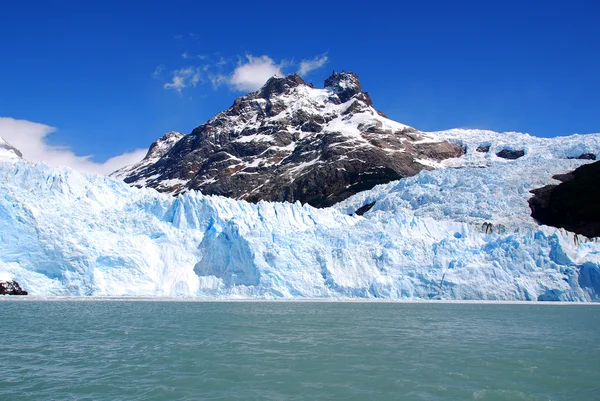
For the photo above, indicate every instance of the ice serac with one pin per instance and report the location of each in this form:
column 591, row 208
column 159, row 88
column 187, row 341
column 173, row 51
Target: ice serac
column 289, row 141
column 449, row 233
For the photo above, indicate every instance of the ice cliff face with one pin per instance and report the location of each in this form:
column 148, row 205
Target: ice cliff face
column 450, row 233
column 290, row 141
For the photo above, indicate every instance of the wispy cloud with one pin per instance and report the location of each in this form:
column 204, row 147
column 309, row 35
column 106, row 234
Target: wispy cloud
column 30, row 138
column 187, row 56
column 217, row 80
column 158, row 71
column 249, row 74
column 307, row 66
column 183, row 78
column 253, row 73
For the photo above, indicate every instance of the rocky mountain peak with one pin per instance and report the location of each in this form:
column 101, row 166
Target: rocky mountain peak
column 290, row 141
column 347, row 85
column 157, row 151
column 277, row 85
column 163, row 145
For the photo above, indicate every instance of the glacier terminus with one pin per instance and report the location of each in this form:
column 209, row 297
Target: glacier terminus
column 461, row 231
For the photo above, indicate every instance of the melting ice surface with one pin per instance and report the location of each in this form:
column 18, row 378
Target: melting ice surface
column 65, row 233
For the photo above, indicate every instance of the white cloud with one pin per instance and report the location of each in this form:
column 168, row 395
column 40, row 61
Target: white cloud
column 252, row 74
column 249, row 74
column 307, row 66
column 30, row 139
column 183, row 78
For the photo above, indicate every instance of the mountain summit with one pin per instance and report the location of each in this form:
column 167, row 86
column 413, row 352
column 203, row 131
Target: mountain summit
column 9, row 152
column 290, row 141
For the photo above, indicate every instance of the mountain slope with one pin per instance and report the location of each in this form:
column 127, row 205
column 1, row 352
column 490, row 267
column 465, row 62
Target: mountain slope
column 158, row 149
column 9, row 152
column 290, row 141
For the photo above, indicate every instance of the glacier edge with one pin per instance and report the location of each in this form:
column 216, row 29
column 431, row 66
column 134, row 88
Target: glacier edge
column 65, row 233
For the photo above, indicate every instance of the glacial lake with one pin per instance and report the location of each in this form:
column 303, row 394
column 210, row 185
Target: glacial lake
column 148, row 350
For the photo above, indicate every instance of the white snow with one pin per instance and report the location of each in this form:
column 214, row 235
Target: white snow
column 254, row 138
column 535, row 147
column 7, row 154
column 163, row 145
column 64, row 233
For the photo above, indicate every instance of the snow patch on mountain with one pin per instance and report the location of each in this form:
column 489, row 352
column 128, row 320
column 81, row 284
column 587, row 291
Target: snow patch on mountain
column 158, row 149
column 483, row 146
column 8, row 152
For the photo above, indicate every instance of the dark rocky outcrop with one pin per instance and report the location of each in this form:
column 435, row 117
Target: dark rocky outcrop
column 11, row 288
column 290, row 142
column 573, row 204
column 483, row 148
column 510, row 154
column 584, row 156
column 489, row 228
column 7, row 146
column 364, row 209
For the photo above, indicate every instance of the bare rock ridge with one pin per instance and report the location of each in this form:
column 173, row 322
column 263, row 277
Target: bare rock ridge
column 573, row 204
column 289, row 141
column 11, row 288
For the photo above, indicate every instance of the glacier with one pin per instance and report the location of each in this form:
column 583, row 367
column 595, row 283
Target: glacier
column 63, row 233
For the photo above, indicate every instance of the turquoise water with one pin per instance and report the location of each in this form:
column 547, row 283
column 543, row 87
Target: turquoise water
column 123, row 350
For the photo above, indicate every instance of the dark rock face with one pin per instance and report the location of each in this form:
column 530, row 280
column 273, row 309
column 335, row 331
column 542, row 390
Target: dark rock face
column 11, row 288
column 483, row 148
column 288, row 142
column 585, row 156
column 510, row 154
column 346, row 85
column 9, row 147
column 364, row 209
column 573, row 204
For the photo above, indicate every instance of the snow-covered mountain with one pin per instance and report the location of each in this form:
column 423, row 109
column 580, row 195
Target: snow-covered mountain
column 158, row 149
column 9, row 152
column 450, row 233
column 290, row 141
column 459, row 227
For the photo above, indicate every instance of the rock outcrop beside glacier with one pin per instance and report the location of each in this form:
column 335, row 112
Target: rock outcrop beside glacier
column 574, row 204
column 11, row 287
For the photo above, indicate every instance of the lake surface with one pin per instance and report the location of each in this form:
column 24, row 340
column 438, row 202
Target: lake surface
column 126, row 350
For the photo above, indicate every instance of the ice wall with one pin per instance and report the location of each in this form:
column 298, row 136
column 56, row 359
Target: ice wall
column 64, row 233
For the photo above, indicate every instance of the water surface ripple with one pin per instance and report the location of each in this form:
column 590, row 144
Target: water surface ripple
column 98, row 350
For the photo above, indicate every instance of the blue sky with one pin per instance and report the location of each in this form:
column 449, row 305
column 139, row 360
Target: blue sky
column 112, row 76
